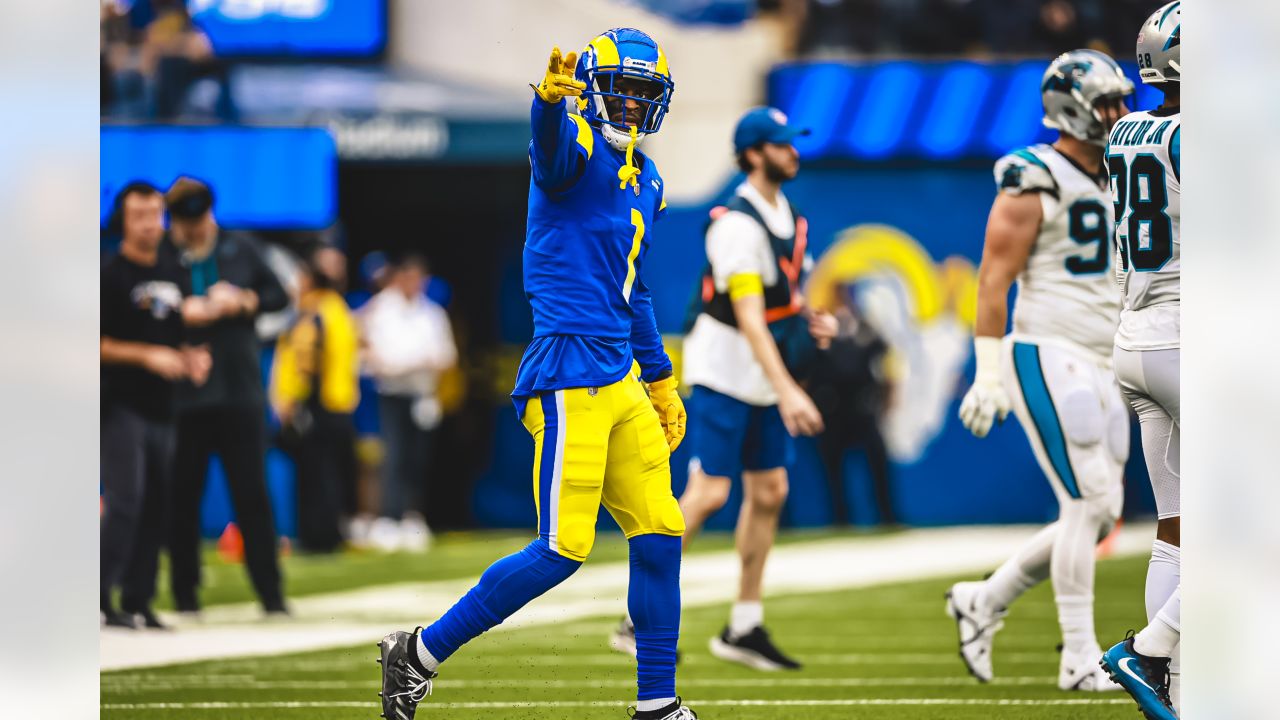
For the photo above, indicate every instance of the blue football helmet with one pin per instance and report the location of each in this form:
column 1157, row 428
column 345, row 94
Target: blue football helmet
column 619, row 65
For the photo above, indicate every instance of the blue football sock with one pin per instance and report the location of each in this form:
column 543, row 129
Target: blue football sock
column 654, row 602
column 508, row 585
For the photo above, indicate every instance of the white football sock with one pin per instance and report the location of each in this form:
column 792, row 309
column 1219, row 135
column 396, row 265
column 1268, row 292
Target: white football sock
column 1027, row 568
column 745, row 617
column 1164, row 572
column 1161, row 635
column 1175, row 678
column 1075, row 615
column 651, row 705
column 1072, row 570
column 428, row 661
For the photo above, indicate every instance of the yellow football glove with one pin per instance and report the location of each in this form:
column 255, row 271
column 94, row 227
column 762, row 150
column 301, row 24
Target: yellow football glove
column 665, row 399
column 559, row 80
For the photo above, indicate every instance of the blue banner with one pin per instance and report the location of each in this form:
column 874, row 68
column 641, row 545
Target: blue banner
column 262, row 177
column 326, row 28
column 919, row 110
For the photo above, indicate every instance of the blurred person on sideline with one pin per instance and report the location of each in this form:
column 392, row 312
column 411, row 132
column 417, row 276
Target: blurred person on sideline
column 176, row 54
column 751, row 340
column 314, row 391
column 848, row 386
column 410, row 343
column 230, row 284
column 142, row 359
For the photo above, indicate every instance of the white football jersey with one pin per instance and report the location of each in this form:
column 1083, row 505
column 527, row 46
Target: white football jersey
column 1144, row 159
column 1066, row 290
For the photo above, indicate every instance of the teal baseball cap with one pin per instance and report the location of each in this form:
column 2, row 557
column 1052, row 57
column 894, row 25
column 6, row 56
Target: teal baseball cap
column 764, row 125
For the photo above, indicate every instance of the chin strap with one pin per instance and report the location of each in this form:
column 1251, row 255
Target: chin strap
column 629, row 173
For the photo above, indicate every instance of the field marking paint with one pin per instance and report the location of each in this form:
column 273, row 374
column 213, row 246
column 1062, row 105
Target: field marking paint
column 355, row 616
column 534, row 704
column 196, row 682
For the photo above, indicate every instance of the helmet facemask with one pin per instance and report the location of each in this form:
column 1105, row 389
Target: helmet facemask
column 629, row 93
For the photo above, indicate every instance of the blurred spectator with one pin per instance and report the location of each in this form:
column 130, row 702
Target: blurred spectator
column 1034, row 28
column 141, row 334
column 230, row 283
column 410, row 343
column 850, row 391
column 314, row 393
column 154, row 54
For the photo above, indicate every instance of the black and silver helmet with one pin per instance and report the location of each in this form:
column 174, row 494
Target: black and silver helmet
column 1160, row 46
column 1073, row 86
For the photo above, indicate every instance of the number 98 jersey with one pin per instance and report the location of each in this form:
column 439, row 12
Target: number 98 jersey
column 1144, row 159
column 1066, row 290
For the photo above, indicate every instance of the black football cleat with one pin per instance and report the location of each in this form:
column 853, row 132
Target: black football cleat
column 676, row 711
column 404, row 683
column 755, row 650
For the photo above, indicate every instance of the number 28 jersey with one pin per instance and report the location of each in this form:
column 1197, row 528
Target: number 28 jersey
column 1066, row 290
column 1144, row 159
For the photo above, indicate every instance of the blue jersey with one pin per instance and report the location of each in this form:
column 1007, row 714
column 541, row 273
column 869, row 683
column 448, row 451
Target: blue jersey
column 584, row 249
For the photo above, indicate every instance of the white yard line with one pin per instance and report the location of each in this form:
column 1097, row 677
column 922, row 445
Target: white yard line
column 152, row 683
column 352, row 617
column 426, row 706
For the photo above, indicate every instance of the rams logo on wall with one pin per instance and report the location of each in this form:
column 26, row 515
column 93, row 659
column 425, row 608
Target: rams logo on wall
column 924, row 309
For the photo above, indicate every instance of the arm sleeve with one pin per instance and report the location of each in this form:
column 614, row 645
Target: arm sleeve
column 109, row 306
column 341, row 341
column 271, row 294
column 287, row 384
column 646, row 343
column 562, row 143
column 734, row 247
column 442, row 352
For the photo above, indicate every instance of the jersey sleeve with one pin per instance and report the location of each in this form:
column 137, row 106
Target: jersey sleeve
column 734, row 247
column 646, row 343
column 561, row 145
column 1021, row 172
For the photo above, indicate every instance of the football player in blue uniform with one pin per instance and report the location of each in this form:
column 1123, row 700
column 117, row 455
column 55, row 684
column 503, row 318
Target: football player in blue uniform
column 595, row 387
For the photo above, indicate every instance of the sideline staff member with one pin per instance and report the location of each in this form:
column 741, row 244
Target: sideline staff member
column 141, row 362
column 230, row 283
column 741, row 357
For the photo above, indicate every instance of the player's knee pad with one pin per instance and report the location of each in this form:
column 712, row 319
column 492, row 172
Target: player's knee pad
column 1105, row 508
column 667, row 517
column 1118, row 431
column 574, row 539
column 1081, row 416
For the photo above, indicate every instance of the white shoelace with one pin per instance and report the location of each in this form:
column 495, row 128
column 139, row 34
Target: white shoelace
column 420, row 690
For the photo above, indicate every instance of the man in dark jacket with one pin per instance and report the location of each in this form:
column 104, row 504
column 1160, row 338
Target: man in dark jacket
column 230, row 283
column 848, row 385
column 143, row 360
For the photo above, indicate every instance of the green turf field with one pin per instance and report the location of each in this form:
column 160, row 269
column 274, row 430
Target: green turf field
column 882, row 652
column 454, row 555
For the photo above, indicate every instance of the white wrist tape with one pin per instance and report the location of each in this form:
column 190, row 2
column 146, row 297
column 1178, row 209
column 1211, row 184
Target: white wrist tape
column 987, row 351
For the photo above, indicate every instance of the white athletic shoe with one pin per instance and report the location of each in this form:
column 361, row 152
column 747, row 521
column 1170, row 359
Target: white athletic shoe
column 977, row 625
column 415, row 536
column 623, row 638
column 384, row 535
column 1083, row 673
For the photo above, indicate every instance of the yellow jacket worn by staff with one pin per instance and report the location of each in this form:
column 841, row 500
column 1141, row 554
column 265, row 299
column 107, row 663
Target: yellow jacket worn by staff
column 319, row 351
